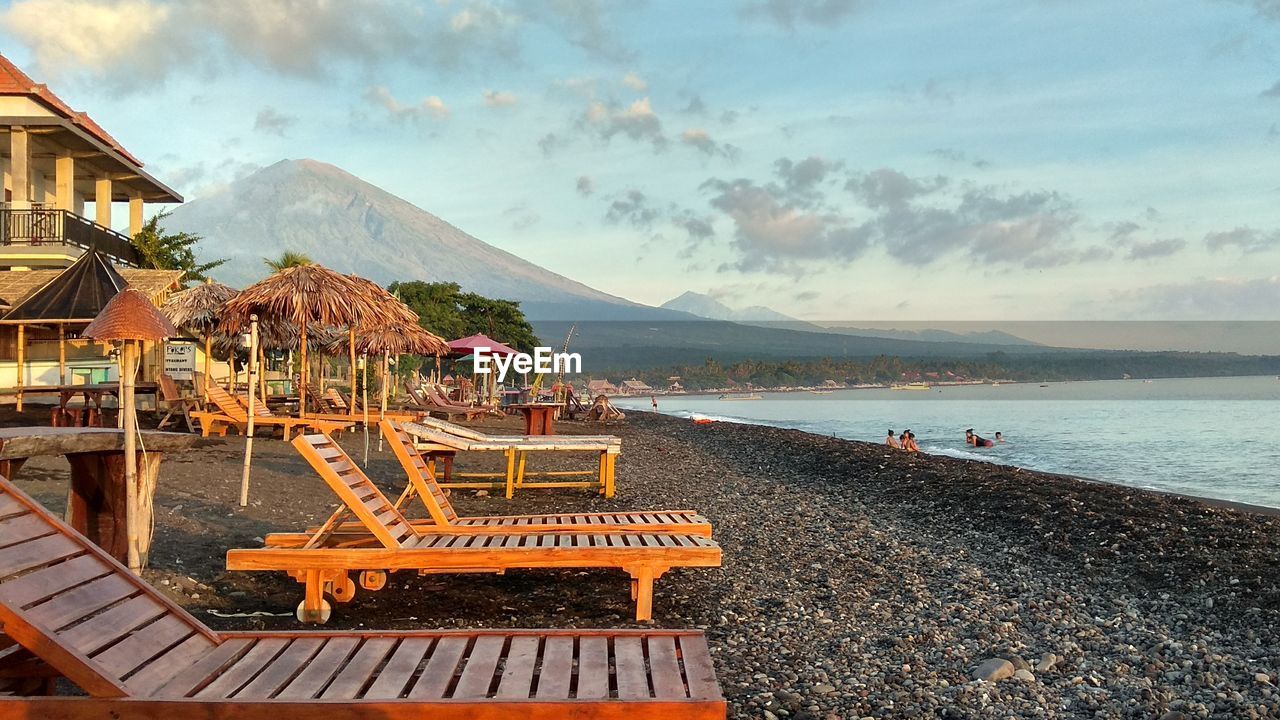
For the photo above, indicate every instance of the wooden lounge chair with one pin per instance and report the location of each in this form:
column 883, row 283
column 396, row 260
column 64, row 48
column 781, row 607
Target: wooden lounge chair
column 231, row 414
column 438, row 438
column 395, row 544
column 173, row 402
column 340, row 410
column 431, row 397
column 70, row 610
column 443, row 518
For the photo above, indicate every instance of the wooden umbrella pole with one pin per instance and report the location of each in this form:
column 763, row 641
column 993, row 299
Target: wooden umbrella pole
column 253, row 392
column 386, row 372
column 364, row 404
column 62, row 353
column 351, row 343
column 262, row 374
column 208, row 366
column 22, row 341
column 303, row 369
column 128, row 413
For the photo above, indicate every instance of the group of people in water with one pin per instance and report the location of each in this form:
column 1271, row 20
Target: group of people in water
column 907, row 440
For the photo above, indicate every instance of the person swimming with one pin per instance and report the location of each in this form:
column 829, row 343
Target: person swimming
column 976, row 440
column 892, row 441
column 999, row 438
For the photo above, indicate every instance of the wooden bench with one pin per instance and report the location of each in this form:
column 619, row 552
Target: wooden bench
column 440, row 440
column 78, row 614
column 395, row 544
column 231, row 414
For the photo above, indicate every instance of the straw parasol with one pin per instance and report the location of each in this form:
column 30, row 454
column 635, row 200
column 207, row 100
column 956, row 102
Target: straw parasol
column 305, row 296
column 398, row 313
column 199, row 310
column 130, row 317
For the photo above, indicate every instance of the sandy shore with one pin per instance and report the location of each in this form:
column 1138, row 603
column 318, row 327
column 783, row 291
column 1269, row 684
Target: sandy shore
column 857, row 582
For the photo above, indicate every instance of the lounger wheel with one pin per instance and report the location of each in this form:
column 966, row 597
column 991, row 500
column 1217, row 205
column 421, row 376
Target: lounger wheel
column 322, row 617
column 372, row 580
column 343, row 590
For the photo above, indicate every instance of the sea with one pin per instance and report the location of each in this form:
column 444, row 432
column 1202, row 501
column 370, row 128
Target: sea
column 1207, row 437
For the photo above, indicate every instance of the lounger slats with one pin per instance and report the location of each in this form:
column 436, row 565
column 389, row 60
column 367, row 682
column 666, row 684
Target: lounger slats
column 147, row 680
column 438, row 675
column 518, row 668
column 21, row 527
column 79, row 602
column 478, row 672
column 51, row 580
column 283, row 669
column 556, row 677
column 103, row 629
column 142, row 645
column 395, row 675
column 232, row 678
column 206, row 669
column 630, row 674
column 359, row 670
column 593, row 668
column 313, row 680
column 40, row 551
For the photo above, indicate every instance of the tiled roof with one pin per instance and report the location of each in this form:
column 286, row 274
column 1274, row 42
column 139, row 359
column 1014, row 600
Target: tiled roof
column 15, row 82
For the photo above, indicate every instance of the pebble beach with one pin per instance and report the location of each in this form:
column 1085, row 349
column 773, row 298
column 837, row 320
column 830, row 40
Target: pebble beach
column 857, row 581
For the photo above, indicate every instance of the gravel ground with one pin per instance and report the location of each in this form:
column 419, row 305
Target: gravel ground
column 857, row 581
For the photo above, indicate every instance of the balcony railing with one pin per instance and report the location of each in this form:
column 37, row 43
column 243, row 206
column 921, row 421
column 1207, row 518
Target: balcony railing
column 47, row 227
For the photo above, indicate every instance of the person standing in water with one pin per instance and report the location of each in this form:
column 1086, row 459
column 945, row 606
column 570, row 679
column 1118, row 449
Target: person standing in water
column 654, row 400
column 892, row 441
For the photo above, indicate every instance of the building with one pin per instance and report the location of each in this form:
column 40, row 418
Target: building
column 600, row 387
column 55, row 161
column 58, row 262
column 634, row 387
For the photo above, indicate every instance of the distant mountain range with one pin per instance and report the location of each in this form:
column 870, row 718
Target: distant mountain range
column 705, row 306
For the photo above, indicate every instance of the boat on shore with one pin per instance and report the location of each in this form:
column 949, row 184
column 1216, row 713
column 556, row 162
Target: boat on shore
column 746, row 396
column 910, row 386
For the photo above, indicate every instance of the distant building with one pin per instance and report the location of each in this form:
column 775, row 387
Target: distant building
column 634, row 387
column 601, row 387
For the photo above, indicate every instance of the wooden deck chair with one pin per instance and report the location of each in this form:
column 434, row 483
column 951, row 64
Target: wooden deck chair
column 434, row 396
column 337, row 400
column 173, row 402
column 74, row 612
column 437, row 436
column 395, row 545
column 443, row 518
column 231, row 414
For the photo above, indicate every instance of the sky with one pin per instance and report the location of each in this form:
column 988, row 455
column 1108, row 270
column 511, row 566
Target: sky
column 831, row 159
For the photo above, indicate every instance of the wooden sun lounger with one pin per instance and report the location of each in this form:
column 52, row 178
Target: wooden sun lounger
column 395, row 544
column 72, row 611
column 231, row 414
column 437, row 437
column 431, row 396
column 443, row 518
column 341, row 410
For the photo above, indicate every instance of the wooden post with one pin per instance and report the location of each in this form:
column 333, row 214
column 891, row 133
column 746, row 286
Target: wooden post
column 262, row 373
column 351, row 342
column 128, row 413
column 303, row 369
column 364, row 402
column 253, row 392
column 62, row 353
column 21, row 361
column 208, row 366
column 386, row 371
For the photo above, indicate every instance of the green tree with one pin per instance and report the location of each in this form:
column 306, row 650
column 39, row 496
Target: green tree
column 447, row 311
column 171, row 251
column 287, row 259
column 501, row 320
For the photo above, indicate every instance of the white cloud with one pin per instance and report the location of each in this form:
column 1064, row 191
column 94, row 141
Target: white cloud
column 635, row 82
column 430, row 106
column 498, row 99
column 638, row 122
column 701, row 140
column 273, row 122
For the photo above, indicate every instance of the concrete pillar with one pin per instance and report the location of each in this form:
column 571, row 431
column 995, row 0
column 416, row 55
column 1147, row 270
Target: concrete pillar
column 64, row 181
column 20, row 167
column 102, row 202
column 135, row 215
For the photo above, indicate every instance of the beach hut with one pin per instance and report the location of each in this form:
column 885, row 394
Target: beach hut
column 131, row 319
column 634, row 387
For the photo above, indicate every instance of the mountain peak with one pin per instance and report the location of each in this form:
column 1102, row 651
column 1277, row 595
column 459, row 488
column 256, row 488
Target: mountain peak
column 706, row 306
column 348, row 224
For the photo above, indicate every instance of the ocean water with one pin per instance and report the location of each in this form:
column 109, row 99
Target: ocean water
column 1208, row 437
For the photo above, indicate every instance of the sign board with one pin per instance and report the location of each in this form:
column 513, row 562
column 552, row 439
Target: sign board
column 180, row 360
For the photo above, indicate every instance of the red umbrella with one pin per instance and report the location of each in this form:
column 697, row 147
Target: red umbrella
column 471, row 343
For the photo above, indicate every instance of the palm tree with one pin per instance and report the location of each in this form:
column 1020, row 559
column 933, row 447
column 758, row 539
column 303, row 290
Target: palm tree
column 287, row 259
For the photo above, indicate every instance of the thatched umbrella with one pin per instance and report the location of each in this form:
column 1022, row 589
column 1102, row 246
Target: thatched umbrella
column 199, row 310
column 397, row 312
column 397, row 339
column 304, row 296
column 131, row 318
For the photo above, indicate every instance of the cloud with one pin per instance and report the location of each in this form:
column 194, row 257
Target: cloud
column 635, row 82
column 499, row 99
column 701, row 140
column 632, row 208
column 787, row 14
column 697, row 227
column 771, row 234
column 550, row 143
column 429, row 107
column 1273, row 91
column 805, row 175
column 585, row 186
column 273, row 122
column 521, row 217
column 637, row 121
column 1152, row 249
column 585, row 24
column 1203, row 299
column 958, row 157
column 696, row 106
column 1245, row 239
column 888, row 188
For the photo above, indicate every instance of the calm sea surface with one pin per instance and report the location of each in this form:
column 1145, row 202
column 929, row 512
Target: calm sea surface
column 1211, row 437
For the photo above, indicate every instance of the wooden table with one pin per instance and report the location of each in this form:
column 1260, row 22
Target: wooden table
column 93, row 393
column 539, row 418
column 96, row 503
